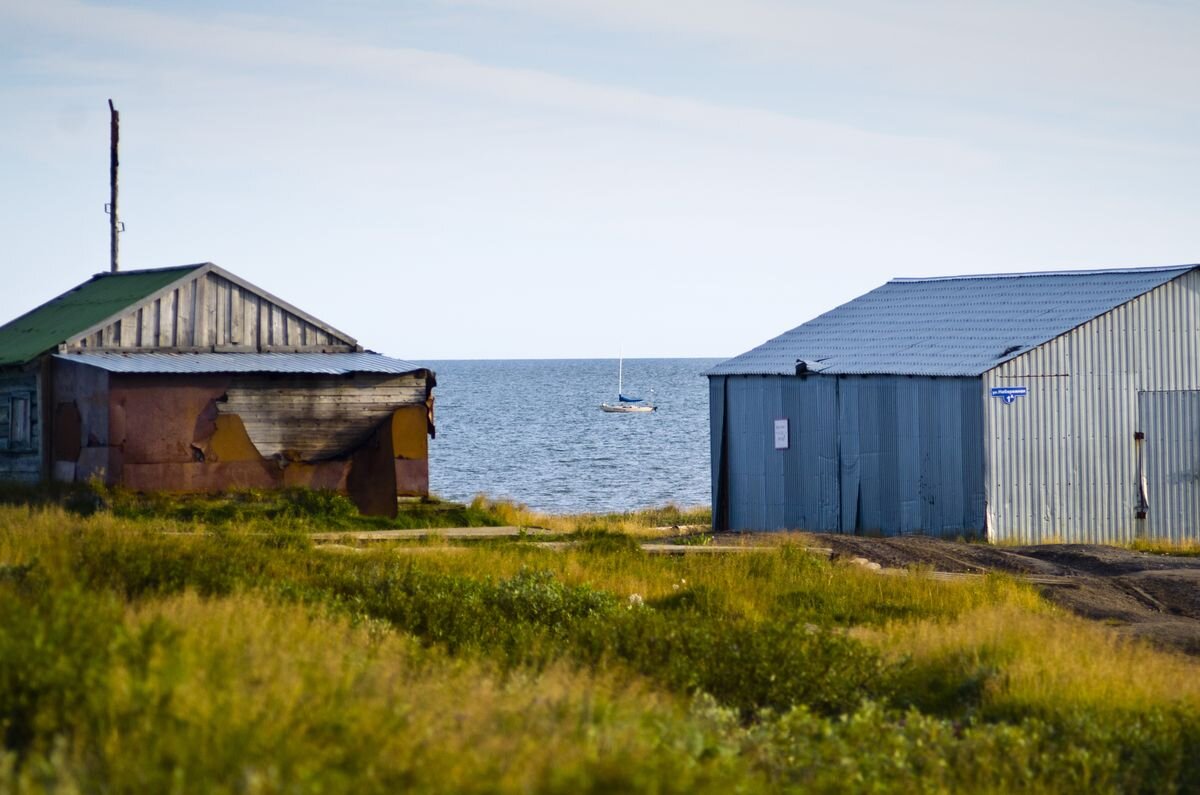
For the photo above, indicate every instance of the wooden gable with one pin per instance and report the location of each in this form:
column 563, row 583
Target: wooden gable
column 210, row 309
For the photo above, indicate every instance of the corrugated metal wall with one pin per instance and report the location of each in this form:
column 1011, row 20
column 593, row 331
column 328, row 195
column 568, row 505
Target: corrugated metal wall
column 1061, row 463
column 769, row 489
column 874, row 454
column 1170, row 463
column 913, row 448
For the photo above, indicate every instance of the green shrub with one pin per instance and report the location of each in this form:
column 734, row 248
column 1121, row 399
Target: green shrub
column 701, row 601
column 317, row 504
column 950, row 685
column 57, row 650
column 517, row 616
column 875, row 748
column 746, row 666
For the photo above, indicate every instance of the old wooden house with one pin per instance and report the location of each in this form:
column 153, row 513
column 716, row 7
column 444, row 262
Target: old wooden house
column 192, row 379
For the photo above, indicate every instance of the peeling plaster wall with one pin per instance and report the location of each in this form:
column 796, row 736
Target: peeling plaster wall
column 410, row 448
column 314, row 417
column 81, row 445
column 175, row 433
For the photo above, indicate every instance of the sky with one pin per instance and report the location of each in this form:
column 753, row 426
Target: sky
column 582, row 178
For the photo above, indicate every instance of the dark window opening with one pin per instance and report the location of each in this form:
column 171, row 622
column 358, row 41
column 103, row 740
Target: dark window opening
column 20, row 432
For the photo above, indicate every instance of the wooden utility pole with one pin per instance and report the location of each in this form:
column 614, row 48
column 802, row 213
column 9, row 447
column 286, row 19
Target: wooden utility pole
column 114, row 222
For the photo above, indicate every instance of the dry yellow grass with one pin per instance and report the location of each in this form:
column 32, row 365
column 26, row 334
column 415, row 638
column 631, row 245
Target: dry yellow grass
column 1049, row 660
column 1160, row 547
column 652, row 523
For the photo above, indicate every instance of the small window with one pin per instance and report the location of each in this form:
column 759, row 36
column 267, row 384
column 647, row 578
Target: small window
column 19, row 434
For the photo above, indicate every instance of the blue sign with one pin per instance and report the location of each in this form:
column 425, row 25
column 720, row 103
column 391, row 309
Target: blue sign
column 1009, row 393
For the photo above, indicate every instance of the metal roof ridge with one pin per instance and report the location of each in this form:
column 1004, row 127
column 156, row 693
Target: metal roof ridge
column 1020, row 274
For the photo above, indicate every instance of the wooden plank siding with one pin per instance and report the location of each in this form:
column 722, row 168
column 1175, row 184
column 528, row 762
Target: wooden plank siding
column 23, row 462
column 307, row 418
column 210, row 313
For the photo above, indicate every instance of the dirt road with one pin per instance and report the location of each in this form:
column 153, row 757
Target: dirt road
column 1155, row 597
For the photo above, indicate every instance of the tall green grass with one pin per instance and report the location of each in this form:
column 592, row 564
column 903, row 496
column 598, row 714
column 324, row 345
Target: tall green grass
column 134, row 659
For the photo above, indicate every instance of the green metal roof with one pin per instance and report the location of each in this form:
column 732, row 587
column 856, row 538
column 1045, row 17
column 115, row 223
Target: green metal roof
column 76, row 310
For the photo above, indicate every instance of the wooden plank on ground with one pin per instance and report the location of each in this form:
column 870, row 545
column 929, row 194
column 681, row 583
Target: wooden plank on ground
column 702, row 549
column 427, row 532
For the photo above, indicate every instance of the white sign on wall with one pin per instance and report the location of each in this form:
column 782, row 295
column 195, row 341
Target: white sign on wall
column 781, row 434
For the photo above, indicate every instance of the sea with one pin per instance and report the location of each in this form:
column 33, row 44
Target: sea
column 531, row 431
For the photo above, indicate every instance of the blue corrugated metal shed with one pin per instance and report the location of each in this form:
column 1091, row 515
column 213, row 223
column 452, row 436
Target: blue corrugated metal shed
column 953, row 326
column 319, row 363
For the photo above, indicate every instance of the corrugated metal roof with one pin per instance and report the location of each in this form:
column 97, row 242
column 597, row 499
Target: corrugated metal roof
column 954, row 326
column 42, row 329
column 321, row 363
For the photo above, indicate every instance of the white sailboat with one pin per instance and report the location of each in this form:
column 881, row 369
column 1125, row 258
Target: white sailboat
column 625, row 404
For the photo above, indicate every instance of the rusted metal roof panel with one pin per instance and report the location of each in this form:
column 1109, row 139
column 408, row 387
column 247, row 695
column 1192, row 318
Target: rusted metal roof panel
column 953, row 326
column 55, row 321
column 315, row 363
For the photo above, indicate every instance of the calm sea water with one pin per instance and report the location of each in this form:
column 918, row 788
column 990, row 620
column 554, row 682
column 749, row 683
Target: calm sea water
column 532, row 431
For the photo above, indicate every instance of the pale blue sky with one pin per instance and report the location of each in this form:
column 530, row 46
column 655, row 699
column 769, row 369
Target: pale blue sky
column 570, row 178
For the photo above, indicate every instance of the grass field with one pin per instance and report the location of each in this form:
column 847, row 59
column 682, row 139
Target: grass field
column 241, row 658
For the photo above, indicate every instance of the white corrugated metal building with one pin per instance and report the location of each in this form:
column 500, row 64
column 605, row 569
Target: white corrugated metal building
column 1029, row 407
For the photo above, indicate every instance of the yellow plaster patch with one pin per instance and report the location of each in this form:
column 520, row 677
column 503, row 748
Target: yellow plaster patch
column 230, row 442
column 409, row 428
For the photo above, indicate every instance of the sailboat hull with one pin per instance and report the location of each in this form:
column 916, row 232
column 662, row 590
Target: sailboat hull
column 625, row 408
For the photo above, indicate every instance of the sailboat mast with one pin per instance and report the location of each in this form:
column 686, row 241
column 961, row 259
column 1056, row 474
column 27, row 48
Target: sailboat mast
column 621, row 375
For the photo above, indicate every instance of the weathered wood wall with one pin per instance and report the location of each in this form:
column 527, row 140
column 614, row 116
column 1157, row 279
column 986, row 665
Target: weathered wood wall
column 212, row 313
column 311, row 418
column 20, row 462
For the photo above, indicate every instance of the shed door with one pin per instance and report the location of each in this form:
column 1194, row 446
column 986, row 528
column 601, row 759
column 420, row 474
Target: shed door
column 1170, row 462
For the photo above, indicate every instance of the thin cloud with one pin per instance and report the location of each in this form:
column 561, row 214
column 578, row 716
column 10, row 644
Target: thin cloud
column 229, row 48
column 1130, row 52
